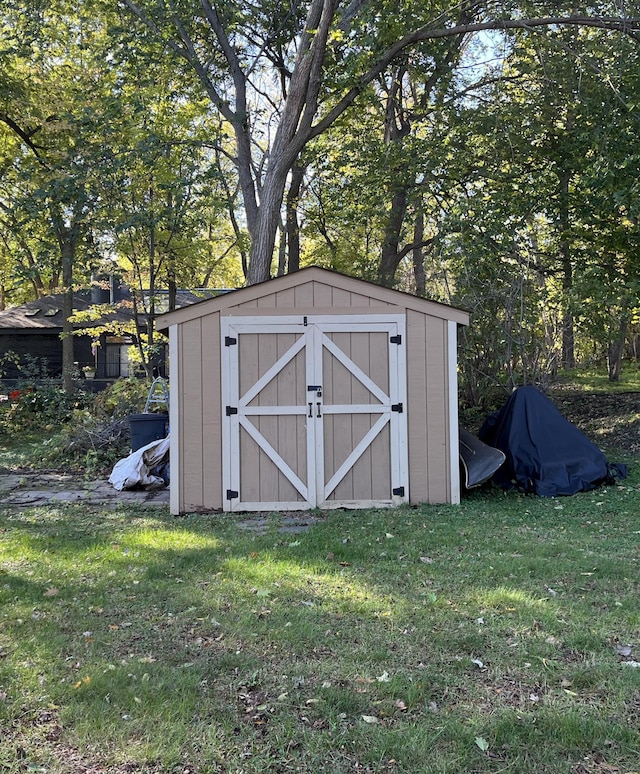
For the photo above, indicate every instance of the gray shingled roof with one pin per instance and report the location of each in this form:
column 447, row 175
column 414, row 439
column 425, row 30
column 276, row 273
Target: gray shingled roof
column 46, row 312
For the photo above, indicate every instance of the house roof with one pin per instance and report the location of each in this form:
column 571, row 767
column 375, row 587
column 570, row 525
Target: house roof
column 46, row 312
column 311, row 274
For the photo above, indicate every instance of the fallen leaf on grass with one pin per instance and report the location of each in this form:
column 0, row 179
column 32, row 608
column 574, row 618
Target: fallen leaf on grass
column 384, row 677
column 52, row 591
column 482, row 743
column 623, row 650
column 371, row 719
column 478, row 663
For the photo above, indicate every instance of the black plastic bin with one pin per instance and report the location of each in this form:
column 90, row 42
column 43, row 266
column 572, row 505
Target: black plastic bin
column 146, row 428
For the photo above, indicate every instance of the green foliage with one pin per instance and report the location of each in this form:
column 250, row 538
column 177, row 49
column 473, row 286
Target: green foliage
column 121, row 399
column 38, row 407
column 86, row 432
column 6, row 359
column 130, row 136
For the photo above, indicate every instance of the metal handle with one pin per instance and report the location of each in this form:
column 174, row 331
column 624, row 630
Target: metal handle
column 311, row 409
column 318, row 405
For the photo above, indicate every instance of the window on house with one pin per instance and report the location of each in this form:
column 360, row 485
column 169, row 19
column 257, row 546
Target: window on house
column 117, row 357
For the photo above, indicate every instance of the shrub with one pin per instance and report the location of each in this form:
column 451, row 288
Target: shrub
column 38, row 407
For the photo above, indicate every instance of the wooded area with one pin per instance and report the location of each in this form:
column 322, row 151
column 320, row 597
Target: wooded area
column 483, row 154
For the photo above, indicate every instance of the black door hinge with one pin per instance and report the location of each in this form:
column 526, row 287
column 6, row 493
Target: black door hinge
column 395, row 339
column 397, row 407
column 231, row 494
column 231, row 410
column 398, row 491
column 229, row 341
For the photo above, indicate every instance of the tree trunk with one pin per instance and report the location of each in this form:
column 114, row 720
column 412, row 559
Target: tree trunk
column 419, row 274
column 264, row 238
column 390, row 257
column 568, row 332
column 615, row 351
column 292, row 224
column 67, row 238
column 293, row 132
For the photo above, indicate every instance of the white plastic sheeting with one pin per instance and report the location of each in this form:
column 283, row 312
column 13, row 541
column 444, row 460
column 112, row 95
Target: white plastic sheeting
column 134, row 470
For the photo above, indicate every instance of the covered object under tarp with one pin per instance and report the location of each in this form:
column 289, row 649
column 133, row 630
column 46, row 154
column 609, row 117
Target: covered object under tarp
column 545, row 453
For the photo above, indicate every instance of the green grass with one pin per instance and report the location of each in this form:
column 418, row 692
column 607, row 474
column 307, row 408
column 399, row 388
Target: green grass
column 597, row 380
column 478, row 638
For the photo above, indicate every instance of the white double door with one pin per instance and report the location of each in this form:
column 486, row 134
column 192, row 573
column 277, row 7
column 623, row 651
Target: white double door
column 314, row 412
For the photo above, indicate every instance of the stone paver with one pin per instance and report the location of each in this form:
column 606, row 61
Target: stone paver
column 33, row 490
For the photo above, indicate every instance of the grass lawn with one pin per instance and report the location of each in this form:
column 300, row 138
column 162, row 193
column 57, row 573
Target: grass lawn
column 487, row 637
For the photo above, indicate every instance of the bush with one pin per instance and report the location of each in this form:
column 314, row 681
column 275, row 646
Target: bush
column 85, row 431
column 121, row 399
column 38, row 407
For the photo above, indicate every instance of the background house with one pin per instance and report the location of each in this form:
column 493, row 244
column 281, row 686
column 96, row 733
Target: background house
column 32, row 332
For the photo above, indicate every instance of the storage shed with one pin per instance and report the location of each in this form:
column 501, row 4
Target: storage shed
column 313, row 390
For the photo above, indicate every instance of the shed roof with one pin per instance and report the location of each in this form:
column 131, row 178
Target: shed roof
column 312, row 274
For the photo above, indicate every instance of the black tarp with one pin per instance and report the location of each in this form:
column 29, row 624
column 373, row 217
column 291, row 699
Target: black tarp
column 478, row 461
column 545, row 453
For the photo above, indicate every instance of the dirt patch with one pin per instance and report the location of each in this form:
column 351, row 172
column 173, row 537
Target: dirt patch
column 610, row 420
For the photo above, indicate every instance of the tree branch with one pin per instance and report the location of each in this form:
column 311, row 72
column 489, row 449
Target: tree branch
column 625, row 26
column 24, row 134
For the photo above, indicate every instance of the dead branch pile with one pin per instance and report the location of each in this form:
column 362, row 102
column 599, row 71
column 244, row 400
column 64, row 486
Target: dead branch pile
column 108, row 436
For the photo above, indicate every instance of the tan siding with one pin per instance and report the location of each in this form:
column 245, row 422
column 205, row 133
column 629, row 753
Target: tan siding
column 427, row 398
column 303, row 297
column 437, row 410
column 417, row 407
column 192, row 431
column 211, row 414
column 341, row 298
column 265, row 313
column 252, row 303
column 285, row 299
column 268, row 301
column 321, row 295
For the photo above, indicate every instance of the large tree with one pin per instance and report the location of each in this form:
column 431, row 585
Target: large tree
column 282, row 75
column 542, row 238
